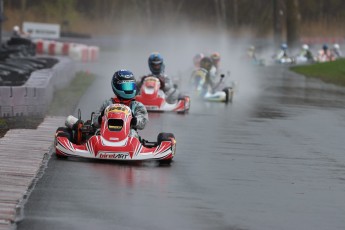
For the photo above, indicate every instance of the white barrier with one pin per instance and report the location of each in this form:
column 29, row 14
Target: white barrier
column 6, row 102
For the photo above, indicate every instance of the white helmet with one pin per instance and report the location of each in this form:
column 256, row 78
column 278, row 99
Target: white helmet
column 16, row 28
column 305, row 47
column 336, row 46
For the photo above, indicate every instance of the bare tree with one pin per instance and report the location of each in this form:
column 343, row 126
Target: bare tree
column 292, row 21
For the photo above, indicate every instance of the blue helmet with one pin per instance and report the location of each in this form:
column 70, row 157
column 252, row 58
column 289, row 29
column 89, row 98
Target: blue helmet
column 284, row 46
column 156, row 63
column 325, row 46
column 123, row 84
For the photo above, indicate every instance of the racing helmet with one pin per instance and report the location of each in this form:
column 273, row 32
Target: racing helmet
column 16, row 28
column 336, row 46
column 197, row 58
column 325, row 47
column 284, row 46
column 206, row 63
column 123, row 84
column 305, row 47
column 215, row 57
column 156, row 63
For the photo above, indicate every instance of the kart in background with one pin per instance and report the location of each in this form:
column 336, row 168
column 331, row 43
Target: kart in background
column 154, row 99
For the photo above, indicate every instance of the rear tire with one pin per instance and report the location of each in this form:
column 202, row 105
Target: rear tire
column 228, row 94
column 164, row 137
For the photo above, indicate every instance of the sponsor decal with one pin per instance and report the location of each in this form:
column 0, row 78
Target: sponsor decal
column 117, row 108
column 122, row 156
column 117, row 127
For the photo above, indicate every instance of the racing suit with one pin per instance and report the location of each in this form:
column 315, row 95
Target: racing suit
column 138, row 111
column 325, row 55
column 204, row 81
column 281, row 54
column 167, row 86
column 337, row 53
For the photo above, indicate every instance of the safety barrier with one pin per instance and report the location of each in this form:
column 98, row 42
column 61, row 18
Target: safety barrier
column 34, row 97
column 76, row 51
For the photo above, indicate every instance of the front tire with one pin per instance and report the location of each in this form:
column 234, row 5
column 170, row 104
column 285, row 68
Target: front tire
column 164, row 137
column 62, row 132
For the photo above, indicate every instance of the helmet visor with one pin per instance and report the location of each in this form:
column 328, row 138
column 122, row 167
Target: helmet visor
column 156, row 66
column 126, row 85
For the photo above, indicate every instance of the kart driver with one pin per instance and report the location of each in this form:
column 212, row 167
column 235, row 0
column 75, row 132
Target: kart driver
column 336, row 51
column 156, row 65
column 325, row 54
column 282, row 53
column 208, row 76
column 306, row 53
column 196, row 60
column 124, row 87
column 215, row 57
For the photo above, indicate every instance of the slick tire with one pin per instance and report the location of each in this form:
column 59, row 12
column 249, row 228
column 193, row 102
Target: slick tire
column 228, row 94
column 62, row 132
column 165, row 137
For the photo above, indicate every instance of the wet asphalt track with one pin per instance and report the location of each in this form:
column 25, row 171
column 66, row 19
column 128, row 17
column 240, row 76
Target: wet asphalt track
column 274, row 159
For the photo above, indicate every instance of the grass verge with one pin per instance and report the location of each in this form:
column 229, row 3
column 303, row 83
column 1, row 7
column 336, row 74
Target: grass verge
column 329, row 72
column 64, row 102
column 66, row 99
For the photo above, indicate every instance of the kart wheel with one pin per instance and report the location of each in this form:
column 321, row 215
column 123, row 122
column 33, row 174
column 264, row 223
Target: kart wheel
column 226, row 91
column 228, row 94
column 164, row 137
column 62, row 132
column 60, row 156
column 165, row 162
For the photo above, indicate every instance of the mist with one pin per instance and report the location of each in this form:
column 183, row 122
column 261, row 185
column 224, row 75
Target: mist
column 178, row 44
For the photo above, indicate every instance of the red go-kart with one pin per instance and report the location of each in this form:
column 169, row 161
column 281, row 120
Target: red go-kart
column 154, row 98
column 112, row 141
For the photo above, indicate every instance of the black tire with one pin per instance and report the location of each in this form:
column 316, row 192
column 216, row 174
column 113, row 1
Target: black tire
column 228, row 94
column 165, row 162
column 63, row 132
column 164, row 137
column 226, row 91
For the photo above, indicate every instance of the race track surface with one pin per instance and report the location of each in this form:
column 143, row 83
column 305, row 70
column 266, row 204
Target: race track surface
column 273, row 159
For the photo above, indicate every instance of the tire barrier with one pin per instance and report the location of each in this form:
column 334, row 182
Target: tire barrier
column 35, row 96
column 76, row 51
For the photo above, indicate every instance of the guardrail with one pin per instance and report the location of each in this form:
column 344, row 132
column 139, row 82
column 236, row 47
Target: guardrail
column 34, row 97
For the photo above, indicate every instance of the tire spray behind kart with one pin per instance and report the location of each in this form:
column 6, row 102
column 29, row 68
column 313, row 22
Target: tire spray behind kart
column 71, row 121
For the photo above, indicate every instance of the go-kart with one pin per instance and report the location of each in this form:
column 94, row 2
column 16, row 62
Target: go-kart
column 301, row 59
column 112, row 140
column 285, row 60
column 219, row 93
column 154, row 99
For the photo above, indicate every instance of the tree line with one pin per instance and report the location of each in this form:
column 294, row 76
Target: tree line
column 261, row 16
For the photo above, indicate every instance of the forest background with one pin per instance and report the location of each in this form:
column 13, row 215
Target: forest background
column 285, row 19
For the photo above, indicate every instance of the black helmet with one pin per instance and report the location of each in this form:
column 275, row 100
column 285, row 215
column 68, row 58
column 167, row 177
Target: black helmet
column 156, row 63
column 123, row 84
column 206, row 63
